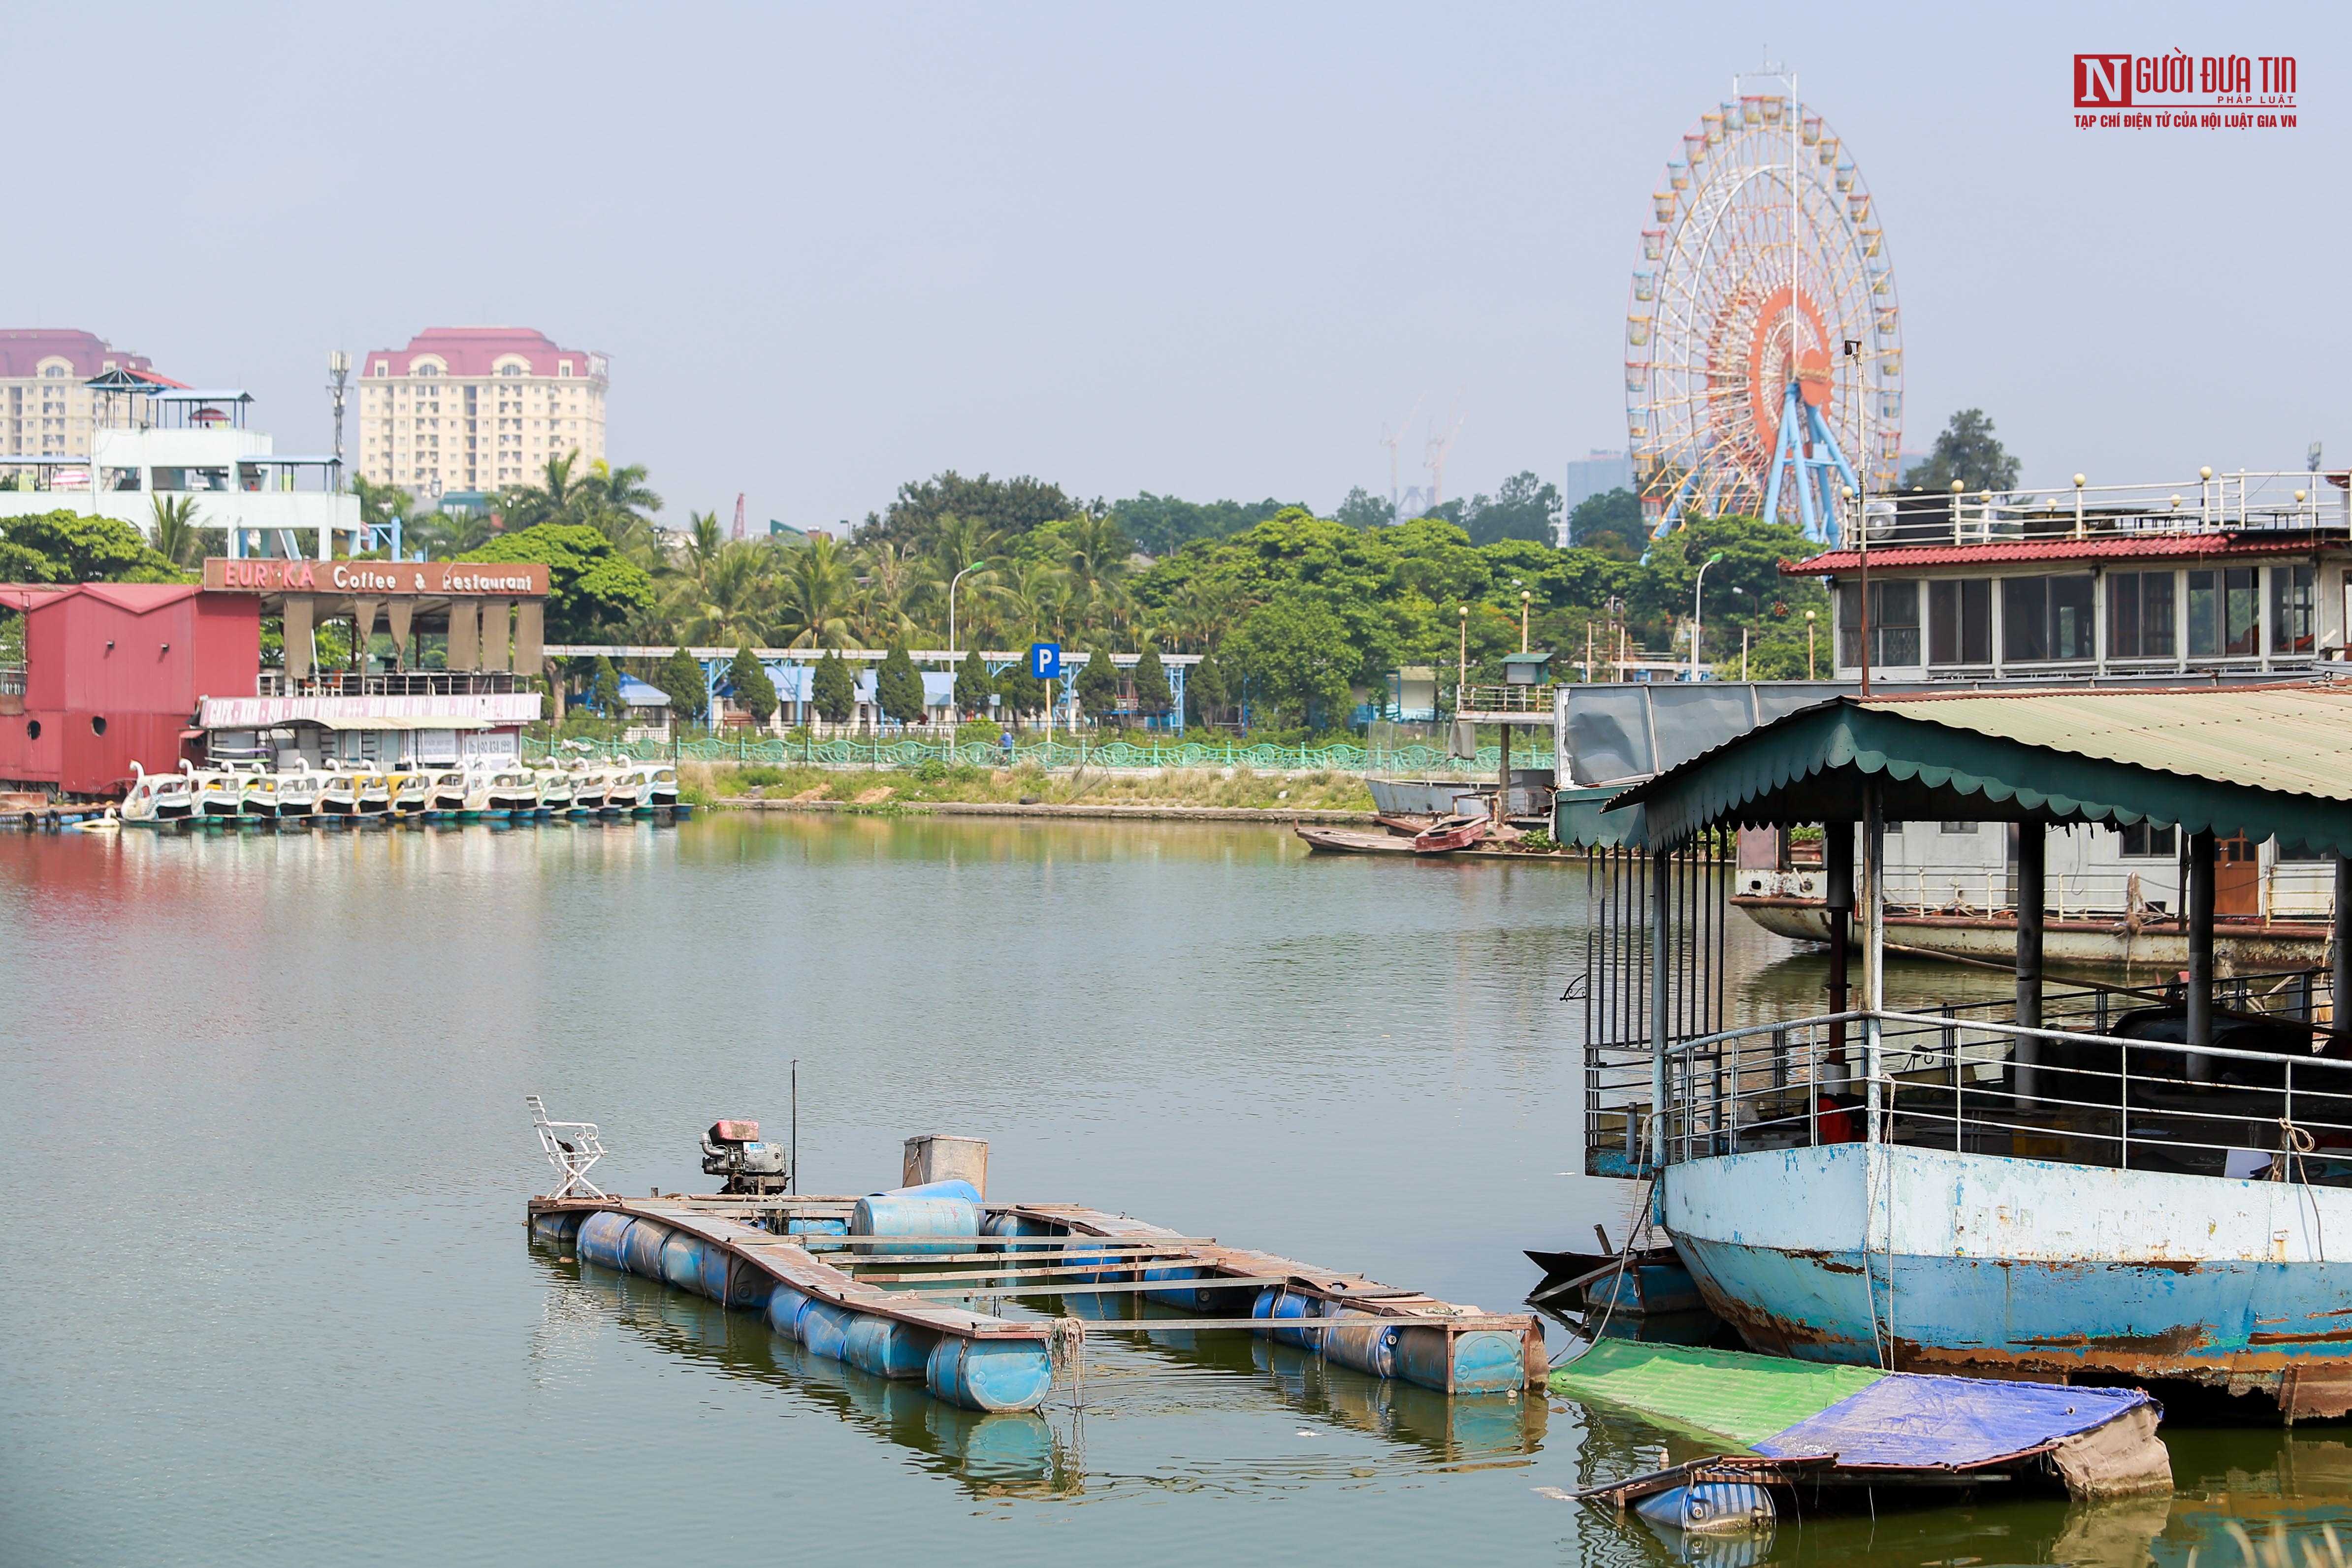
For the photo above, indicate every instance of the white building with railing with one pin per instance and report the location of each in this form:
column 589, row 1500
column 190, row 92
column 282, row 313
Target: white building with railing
column 159, row 443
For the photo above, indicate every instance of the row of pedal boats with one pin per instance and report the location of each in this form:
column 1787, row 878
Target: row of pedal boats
column 496, row 788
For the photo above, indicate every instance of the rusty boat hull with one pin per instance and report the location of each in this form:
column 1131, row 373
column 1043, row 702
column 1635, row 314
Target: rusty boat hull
column 2004, row 1266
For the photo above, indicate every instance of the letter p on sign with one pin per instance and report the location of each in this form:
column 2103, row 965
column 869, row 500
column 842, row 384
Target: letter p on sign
column 1045, row 660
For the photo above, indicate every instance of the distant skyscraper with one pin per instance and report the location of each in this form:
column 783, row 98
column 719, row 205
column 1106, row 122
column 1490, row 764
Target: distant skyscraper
column 44, row 410
column 1594, row 473
column 475, row 408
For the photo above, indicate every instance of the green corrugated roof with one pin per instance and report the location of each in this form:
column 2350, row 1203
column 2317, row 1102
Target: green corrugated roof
column 1725, row 1394
column 2258, row 760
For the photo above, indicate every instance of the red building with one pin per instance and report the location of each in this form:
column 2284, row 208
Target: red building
column 113, row 674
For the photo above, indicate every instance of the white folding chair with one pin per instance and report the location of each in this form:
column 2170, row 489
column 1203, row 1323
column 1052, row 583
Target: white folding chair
column 572, row 1156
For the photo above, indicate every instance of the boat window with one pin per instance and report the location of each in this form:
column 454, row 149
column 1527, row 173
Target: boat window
column 1959, row 621
column 2045, row 618
column 1894, row 623
column 2293, row 594
column 2139, row 615
column 2223, row 613
column 2146, row 841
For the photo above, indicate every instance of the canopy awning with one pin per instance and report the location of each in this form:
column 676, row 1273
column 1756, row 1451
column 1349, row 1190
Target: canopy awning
column 2265, row 761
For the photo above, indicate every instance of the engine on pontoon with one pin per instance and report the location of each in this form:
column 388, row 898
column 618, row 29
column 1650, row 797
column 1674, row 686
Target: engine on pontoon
column 733, row 1150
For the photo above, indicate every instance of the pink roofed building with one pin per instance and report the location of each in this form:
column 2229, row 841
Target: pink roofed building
column 478, row 408
column 44, row 409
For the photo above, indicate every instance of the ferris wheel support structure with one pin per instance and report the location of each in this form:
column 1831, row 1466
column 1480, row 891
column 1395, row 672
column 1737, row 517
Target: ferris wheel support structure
column 1805, row 435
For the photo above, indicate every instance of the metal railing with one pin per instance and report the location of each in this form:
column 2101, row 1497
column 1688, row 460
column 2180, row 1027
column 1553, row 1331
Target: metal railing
column 1963, row 1079
column 12, row 680
column 1504, row 699
column 394, row 684
column 2208, row 502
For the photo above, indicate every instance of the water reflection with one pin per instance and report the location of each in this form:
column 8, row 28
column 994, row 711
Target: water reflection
column 995, row 1455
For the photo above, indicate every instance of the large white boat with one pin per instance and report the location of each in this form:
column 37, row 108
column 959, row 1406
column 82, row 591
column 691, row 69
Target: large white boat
column 512, row 792
column 338, row 793
column 625, row 788
column 297, row 791
column 555, row 786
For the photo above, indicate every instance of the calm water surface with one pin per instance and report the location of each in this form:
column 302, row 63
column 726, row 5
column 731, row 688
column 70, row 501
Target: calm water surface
column 263, row 1153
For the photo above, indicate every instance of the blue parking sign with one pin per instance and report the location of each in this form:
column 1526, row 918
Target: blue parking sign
column 1045, row 660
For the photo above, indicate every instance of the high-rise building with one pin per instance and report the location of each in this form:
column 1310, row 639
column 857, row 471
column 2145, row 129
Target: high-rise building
column 44, row 410
column 475, row 408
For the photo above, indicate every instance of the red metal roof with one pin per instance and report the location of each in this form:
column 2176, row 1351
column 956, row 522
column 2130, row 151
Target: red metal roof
column 138, row 597
column 2109, row 546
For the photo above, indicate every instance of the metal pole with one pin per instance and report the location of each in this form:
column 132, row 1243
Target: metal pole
column 792, row 1176
column 1661, row 874
column 2032, row 863
column 2340, row 982
column 1874, row 896
column 1837, row 871
column 2200, row 953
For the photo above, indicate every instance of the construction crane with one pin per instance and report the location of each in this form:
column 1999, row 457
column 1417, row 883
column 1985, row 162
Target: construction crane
column 1439, row 446
column 1392, row 439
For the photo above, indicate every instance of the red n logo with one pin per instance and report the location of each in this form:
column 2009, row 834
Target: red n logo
column 2102, row 81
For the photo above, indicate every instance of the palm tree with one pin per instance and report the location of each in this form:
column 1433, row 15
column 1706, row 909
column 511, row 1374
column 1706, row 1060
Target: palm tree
column 444, row 535
column 1037, row 599
column 736, row 600
column 814, row 596
column 1098, row 554
column 177, row 537
column 553, row 500
column 889, row 585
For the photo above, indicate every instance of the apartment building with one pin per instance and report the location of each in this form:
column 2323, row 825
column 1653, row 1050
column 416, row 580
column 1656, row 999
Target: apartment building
column 475, row 408
column 44, row 410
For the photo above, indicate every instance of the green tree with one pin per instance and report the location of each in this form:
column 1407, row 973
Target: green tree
column 1208, row 690
column 1968, row 452
column 1023, row 692
column 592, row 590
column 1611, row 523
column 973, row 687
column 753, row 689
column 815, row 596
column 1296, row 656
column 1524, row 506
column 898, row 688
column 79, row 547
column 833, row 689
column 1151, row 688
column 681, row 679
column 1098, row 682
column 1158, row 524
column 1008, row 507
column 1363, row 510
column 605, row 688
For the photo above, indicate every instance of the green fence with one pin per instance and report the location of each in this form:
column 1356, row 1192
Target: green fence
column 882, row 754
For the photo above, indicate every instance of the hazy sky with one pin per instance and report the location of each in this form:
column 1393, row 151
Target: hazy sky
column 1200, row 250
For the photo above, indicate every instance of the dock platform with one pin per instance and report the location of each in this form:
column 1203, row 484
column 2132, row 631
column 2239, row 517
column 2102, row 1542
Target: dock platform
column 909, row 1305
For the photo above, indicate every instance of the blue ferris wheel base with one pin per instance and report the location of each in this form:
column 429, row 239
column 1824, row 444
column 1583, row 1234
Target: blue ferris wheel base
column 1805, row 446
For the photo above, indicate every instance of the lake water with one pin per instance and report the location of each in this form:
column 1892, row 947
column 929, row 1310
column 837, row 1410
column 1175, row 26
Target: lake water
column 264, row 1154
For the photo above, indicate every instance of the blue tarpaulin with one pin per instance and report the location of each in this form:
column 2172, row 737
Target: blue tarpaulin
column 1917, row 1422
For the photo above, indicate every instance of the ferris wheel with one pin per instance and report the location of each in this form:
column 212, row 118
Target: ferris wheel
column 1764, row 344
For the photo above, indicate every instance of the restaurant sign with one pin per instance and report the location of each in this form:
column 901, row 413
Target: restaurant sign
column 454, row 578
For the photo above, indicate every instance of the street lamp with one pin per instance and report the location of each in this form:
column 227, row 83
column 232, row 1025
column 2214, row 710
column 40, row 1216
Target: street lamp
column 1698, row 587
column 1809, row 646
column 1525, row 597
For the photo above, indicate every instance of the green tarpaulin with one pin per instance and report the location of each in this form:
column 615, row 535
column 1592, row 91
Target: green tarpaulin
column 1723, row 1393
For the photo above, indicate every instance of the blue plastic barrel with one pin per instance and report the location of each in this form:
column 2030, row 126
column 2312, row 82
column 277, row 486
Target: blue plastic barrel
column 1279, row 1302
column 989, row 1374
column 641, row 1252
column 824, row 1329
column 681, row 1261
column 602, row 1237
column 899, row 1223
column 1484, row 1362
column 888, row 1348
column 785, row 1307
column 1373, row 1348
column 955, row 1187
column 557, row 1228
column 811, row 1230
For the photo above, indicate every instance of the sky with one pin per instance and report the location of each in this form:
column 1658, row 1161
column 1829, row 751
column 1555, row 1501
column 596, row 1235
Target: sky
column 1207, row 250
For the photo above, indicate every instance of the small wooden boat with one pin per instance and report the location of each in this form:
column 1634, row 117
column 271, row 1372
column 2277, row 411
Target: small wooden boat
column 1352, row 842
column 1450, row 834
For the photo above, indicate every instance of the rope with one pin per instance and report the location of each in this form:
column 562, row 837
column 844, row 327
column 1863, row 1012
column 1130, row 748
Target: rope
column 1624, row 1255
column 2294, row 1143
column 1068, row 1340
